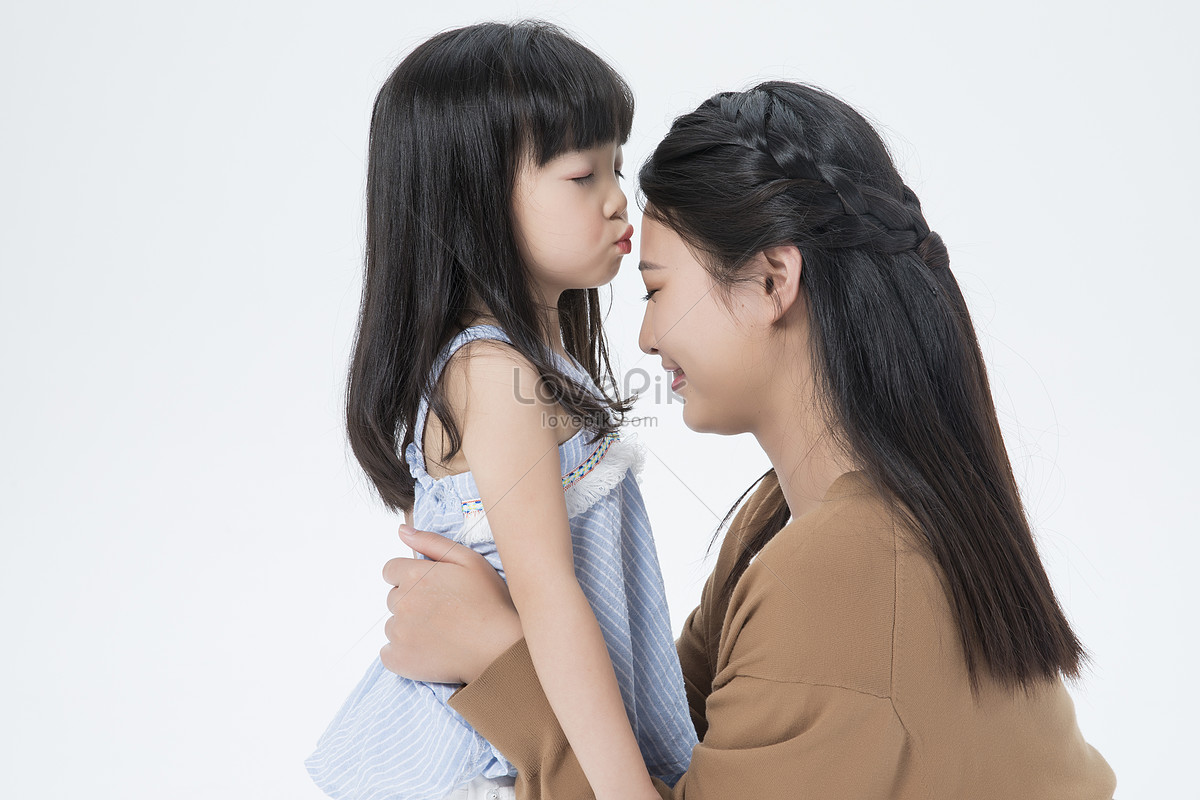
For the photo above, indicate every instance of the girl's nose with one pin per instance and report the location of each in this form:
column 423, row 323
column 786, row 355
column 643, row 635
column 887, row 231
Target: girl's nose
column 616, row 202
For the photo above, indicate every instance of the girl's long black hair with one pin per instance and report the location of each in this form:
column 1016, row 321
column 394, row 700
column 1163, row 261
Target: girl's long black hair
column 450, row 130
column 901, row 376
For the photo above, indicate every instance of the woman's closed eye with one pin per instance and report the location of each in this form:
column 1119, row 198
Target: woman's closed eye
column 650, row 294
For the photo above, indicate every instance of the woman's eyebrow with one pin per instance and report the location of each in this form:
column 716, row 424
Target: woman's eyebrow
column 645, row 265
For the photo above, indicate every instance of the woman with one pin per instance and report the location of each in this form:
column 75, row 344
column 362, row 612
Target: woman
column 879, row 623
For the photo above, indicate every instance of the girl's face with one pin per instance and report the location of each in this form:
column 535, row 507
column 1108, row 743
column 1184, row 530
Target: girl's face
column 571, row 221
column 718, row 355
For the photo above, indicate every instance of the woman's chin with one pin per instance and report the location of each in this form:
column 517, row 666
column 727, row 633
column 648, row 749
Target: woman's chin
column 696, row 420
column 702, row 420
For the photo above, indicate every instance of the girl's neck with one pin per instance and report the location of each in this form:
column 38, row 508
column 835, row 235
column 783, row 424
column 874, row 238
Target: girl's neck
column 479, row 314
column 549, row 311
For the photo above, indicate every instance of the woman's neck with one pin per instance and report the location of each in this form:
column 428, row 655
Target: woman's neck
column 805, row 465
column 801, row 447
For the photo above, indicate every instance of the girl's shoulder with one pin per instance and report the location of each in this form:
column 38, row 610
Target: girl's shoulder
column 486, row 376
column 484, row 356
column 475, row 339
column 474, row 354
column 490, row 371
column 486, row 348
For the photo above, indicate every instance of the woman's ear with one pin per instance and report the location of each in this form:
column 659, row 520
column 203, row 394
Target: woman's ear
column 780, row 277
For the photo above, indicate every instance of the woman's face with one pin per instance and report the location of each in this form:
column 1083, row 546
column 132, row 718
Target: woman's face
column 715, row 352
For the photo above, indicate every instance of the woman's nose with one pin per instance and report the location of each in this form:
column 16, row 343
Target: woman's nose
column 646, row 339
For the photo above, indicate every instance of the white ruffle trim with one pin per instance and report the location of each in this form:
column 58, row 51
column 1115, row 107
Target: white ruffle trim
column 623, row 455
column 476, row 529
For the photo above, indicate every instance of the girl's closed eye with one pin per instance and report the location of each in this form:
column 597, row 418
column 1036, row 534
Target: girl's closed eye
column 650, row 294
column 587, row 178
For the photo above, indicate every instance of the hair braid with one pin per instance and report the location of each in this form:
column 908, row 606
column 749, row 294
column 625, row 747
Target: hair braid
column 869, row 218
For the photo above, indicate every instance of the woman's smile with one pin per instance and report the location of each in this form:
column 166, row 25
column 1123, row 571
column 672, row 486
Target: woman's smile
column 677, row 381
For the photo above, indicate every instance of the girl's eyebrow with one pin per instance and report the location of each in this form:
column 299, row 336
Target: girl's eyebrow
column 646, row 265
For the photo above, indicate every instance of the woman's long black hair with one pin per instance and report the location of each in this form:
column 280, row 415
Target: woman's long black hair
column 450, row 130
column 901, row 376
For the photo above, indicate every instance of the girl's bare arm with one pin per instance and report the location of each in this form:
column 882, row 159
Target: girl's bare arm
column 512, row 450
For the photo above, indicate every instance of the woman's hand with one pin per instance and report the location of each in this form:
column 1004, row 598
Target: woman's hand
column 451, row 617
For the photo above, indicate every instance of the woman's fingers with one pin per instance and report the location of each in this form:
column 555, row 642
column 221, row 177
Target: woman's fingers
column 405, row 572
column 394, row 596
column 450, row 616
column 435, row 547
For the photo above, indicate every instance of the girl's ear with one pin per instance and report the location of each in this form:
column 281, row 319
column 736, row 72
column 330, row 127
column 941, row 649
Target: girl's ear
column 780, row 277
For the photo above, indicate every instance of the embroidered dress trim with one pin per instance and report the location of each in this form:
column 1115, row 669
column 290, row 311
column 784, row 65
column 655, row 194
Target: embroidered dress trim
column 574, row 476
column 599, row 473
column 570, row 479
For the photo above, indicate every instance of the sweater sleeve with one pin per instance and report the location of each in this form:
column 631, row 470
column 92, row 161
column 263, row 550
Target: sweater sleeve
column 771, row 724
column 697, row 641
column 694, row 660
column 829, row 741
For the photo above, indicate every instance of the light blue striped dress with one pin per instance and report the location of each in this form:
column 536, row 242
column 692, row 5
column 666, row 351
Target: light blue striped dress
column 396, row 739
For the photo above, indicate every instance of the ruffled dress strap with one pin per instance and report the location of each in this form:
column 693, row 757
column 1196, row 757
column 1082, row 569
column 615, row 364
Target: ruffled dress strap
column 462, row 338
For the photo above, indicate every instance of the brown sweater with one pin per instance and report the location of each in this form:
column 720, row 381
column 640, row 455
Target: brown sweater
column 835, row 672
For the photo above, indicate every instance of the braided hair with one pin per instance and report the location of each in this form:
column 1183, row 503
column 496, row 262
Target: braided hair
column 901, row 378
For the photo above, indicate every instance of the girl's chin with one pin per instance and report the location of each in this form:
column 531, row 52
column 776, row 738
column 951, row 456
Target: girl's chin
column 611, row 272
column 601, row 278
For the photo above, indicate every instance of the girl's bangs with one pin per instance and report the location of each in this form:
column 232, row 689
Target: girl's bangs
column 568, row 99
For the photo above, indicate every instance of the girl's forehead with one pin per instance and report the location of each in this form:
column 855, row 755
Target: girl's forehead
column 602, row 149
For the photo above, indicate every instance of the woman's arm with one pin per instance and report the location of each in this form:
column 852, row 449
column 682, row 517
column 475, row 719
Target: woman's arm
column 504, row 699
column 767, row 733
column 692, row 646
column 765, row 739
column 512, row 449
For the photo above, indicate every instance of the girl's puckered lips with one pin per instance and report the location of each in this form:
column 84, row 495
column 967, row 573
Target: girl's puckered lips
column 624, row 244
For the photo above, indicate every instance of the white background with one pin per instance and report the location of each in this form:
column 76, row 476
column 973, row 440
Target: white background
column 190, row 578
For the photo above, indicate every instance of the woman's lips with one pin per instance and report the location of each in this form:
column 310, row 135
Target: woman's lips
column 675, row 384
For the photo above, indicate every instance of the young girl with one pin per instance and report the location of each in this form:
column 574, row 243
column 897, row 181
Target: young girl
column 494, row 210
